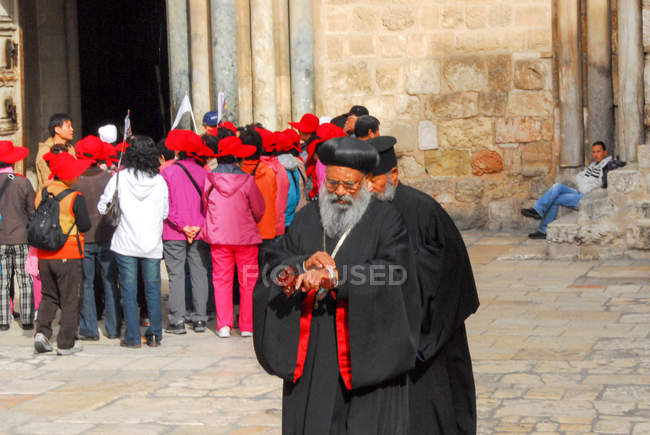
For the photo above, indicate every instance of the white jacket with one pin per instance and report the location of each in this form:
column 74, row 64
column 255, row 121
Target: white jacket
column 144, row 202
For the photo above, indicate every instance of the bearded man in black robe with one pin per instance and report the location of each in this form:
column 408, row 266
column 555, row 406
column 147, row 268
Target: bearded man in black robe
column 442, row 396
column 331, row 309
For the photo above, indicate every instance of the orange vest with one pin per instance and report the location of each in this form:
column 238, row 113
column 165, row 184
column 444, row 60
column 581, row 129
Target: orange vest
column 70, row 249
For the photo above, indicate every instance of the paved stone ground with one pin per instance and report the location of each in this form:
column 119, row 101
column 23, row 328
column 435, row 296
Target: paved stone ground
column 557, row 347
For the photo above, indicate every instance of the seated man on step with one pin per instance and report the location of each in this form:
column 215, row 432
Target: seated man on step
column 594, row 176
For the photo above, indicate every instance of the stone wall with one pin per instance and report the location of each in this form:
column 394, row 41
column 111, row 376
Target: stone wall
column 465, row 86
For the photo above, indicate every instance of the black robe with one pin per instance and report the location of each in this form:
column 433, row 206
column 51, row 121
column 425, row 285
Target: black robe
column 382, row 345
column 441, row 387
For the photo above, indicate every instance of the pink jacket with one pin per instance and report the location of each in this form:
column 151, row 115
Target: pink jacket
column 282, row 180
column 234, row 205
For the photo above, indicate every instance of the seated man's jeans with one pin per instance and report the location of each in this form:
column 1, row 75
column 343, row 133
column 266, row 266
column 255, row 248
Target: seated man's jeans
column 98, row 258
column 128, row 269
column 557, row 195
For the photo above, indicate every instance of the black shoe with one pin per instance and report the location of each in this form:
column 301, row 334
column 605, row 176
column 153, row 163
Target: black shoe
column 4, row 327
column 130, row 345
column 198, row 326
column 537, row 235
column 27, row 326
column 531, row 213
column 154, row 341
column 113, row 336
column 178, row 328
column 88, row 337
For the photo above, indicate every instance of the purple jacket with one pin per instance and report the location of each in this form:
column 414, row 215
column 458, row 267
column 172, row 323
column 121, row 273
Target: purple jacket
column 234, row 205
column 184, row 199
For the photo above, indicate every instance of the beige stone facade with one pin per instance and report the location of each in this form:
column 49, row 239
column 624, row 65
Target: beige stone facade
column 466, row 87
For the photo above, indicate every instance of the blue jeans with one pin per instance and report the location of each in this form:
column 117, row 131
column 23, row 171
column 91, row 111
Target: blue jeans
column 128, row 269
column 100, row 254
column 557, row 195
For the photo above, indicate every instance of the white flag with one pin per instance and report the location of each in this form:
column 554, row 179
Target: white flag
column 186, row 106
column 221, row 106
column 127, row 125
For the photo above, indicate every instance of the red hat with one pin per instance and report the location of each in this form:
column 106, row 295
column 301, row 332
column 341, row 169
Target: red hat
column 324, row 132
column 294, row 137
column 229, row 125
column 232, row 146
column 286, row 142
column 109, row 154
column 10, row 153
column 268, row 139
column 91, row 148
column 308, row 123
column 66, row 167
column 183, row 140
column 214, row 131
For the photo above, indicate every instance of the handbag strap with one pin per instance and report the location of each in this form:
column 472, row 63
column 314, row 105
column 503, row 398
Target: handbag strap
column 5, row 185
column 196, row 185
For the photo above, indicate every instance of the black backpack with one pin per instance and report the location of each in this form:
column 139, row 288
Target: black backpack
column 44, row 230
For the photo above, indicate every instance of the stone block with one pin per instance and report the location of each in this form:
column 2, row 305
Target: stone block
column 477, row 40
column 393, row 45
column 349, row 79
column 447, row 162
column 500, row 15
column 467, row 73
column 364, row 19
column 532, row 74
column 429, row 17
column 500, row 72
column 408, row 105
column 409, row 169
column 644, row 209
column 423, row 77
column 454, row 105
column 533, row 16
column 451, row 17
column 486, row 162
column 519, row 129
column 600, row 252
column 492, row 103
column 512, row 161
column 548, row 129
column 467, row 216
column 598, row 234
column 395, row 18
column 514, row 39
column 469, row 190
column 441, row 43
column 530, row 103
column 335, row 48
column 427, row 135
column 440, row 188
column 469, row 133
column 337, row 21
column 595, row 206
column 404, row 131
column 536, row 159
column 540, row 39
column 361, row 46
column 503, row 214
column 388, row 77
column 416, row 45
column 563, row 230
column 563, row 251
column 623, row 180
column 638, row 235
column 476, row 17
column 643, row 156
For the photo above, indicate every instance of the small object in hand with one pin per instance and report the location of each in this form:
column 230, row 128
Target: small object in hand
column 287, row 280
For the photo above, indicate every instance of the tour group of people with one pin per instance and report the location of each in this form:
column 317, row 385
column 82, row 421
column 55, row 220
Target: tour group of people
column 354, row 287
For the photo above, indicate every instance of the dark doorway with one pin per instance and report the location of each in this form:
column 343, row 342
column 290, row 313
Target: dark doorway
column 123, row 65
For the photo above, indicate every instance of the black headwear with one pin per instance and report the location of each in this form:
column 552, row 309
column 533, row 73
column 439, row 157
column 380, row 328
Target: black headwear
column 387, row 158
column 358, row 110
column 349, row 152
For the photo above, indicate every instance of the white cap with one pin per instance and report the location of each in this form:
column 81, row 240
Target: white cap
column 108, row 133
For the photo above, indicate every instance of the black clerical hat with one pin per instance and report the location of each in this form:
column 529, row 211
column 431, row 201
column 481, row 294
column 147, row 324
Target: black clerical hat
column 349, row 152
column 387, row 158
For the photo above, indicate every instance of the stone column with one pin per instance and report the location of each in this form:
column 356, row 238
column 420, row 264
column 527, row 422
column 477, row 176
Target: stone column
column 264, row 76
column 244, row 61
column 223, row 27
column 200, row 59
column 600, row 123
column 570, row 84
column 72, row 63
column 302, row 57
column 630, row 76
column 179, row 56
column 282, row 62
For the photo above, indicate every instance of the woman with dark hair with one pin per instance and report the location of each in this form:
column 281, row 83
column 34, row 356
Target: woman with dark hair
column 143, row 201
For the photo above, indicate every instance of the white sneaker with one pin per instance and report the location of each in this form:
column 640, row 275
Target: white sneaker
column 224, row 332
column 246, row 334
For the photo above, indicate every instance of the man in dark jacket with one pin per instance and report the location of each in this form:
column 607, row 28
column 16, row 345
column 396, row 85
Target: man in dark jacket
column 97, row 246
column 16, row 208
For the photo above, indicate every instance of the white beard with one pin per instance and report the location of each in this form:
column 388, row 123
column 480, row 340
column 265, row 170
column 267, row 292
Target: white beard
column 337, row 218
column 389, row 191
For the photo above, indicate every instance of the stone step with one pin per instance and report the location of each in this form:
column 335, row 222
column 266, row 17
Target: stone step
column 596, row 205
column 625, row 180
column 563, row 230
column 638, row 234
column 643, row 156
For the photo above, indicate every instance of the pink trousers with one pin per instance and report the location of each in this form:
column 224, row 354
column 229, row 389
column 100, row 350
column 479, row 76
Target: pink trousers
column 224, row 259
